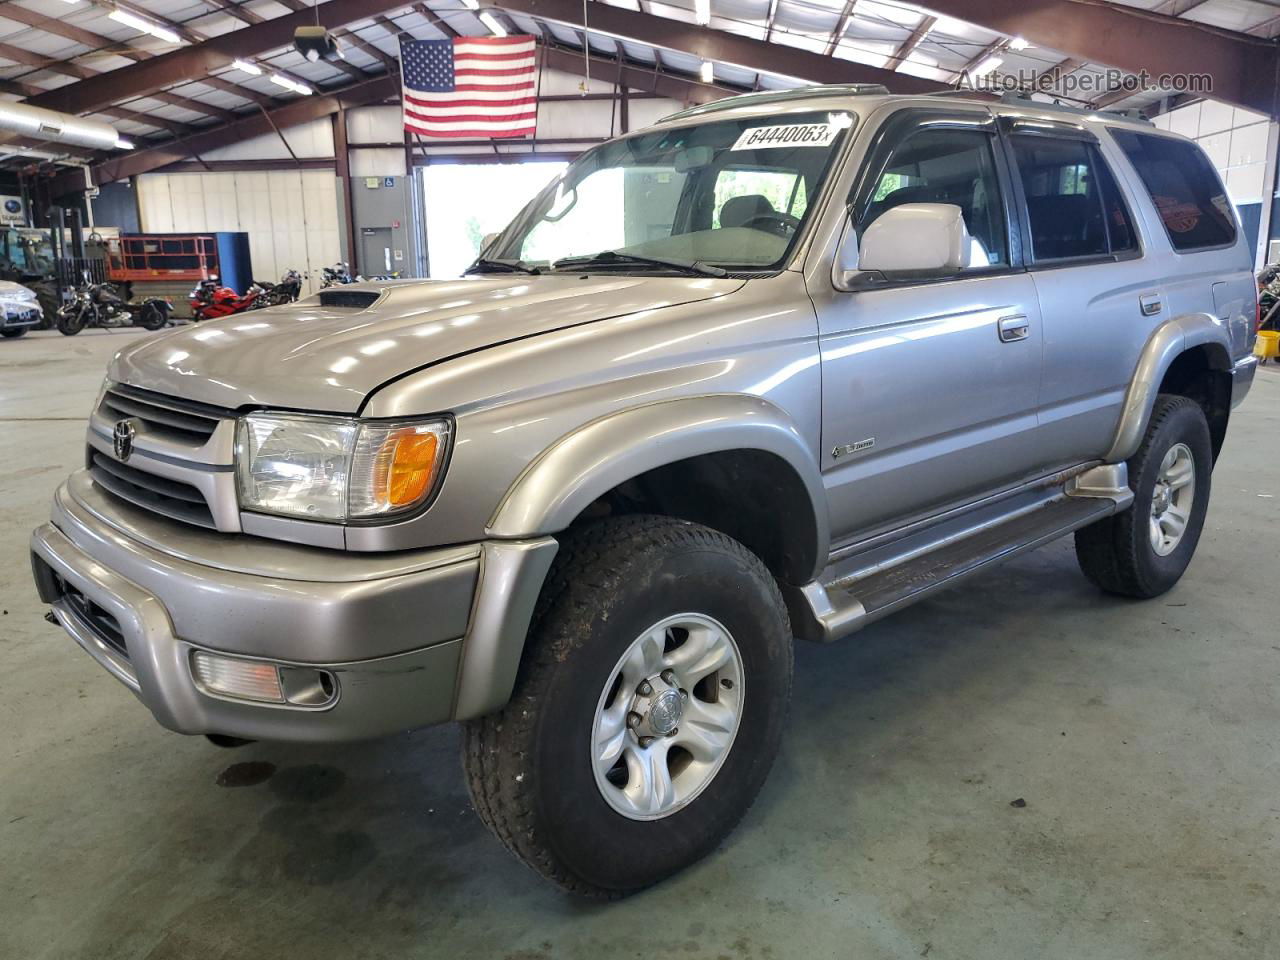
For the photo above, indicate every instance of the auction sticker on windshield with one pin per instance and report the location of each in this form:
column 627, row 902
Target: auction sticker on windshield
column 787, row 135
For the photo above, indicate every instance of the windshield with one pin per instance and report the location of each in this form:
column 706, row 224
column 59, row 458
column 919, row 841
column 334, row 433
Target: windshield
column 732, row 194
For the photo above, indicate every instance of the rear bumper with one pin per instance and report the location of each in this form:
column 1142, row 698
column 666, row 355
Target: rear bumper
column 408, row 640
column 1242, row 379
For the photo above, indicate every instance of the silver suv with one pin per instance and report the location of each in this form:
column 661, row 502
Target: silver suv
column 773, row 368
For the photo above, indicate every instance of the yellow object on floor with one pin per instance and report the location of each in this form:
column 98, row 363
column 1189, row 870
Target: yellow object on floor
column 1268, row 345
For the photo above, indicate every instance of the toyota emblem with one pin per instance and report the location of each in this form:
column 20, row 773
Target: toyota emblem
column 122, row 438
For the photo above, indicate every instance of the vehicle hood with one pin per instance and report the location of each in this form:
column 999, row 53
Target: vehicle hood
column 317, row 355
column 15, row 291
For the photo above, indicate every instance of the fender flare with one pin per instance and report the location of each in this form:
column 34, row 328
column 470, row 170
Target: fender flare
column 598, row 456
column 1173, row 337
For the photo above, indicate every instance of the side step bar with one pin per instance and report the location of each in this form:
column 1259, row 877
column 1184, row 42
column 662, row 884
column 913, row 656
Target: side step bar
column 864, row 589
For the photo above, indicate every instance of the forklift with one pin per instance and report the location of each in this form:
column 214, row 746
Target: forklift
column 44, row 261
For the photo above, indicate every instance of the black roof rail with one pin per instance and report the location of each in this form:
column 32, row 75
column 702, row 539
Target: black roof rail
column 782, row 96
column 1023, row 99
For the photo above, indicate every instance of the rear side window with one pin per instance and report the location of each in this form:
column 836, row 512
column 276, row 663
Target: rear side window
column 1073, row 205
column 1184, row 187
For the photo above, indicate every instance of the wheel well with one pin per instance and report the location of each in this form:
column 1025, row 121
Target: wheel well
column 753, row 496
column 1198, row 373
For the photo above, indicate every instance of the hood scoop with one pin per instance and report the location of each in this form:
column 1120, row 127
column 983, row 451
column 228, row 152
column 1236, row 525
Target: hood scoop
column 349, row 299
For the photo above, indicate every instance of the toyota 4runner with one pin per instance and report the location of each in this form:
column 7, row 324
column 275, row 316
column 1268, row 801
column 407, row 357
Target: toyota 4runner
column 775, row 367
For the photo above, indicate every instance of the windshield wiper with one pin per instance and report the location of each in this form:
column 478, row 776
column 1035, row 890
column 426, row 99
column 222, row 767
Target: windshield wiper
column 615, row 258
column 484, row 265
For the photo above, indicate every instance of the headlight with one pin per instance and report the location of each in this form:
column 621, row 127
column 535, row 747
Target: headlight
column 331, row 468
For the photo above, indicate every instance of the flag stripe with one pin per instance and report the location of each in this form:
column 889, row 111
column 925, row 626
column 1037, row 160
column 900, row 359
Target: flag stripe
column 416, row 105
column 517, row 119
column 472, row 134
column 490, row 74
column 462, row 113
column 470, row 86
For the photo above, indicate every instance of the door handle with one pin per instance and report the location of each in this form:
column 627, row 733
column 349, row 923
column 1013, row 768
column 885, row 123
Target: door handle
column 1014, row 328
column 1150, row 304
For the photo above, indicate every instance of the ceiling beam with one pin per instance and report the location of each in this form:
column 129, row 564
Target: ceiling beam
column 199, row 60
column 1243, row 67
column 990, row 50
column 908, row 46
column 256, row 124
column 842, row 27
column 715, row 45
column 97, row 43
column 386, row 87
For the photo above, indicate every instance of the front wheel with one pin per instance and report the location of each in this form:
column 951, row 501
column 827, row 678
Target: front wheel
column 647, row 712
column 1144, row 551
column 70, row 321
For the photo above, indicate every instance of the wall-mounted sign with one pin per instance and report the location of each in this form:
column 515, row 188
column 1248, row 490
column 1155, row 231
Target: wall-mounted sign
column 12, row 213
column 372, row 183
column 388, row 181
column 399, row 254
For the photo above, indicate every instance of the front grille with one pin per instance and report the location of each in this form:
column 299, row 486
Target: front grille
column 170, row 498
column 103, row 625
column 182, row 421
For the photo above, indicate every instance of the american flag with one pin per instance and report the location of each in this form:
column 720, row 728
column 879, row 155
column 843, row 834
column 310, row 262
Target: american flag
column 474, row 87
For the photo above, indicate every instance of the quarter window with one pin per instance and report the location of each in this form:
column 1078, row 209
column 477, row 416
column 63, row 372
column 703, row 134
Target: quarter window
column 941, row 165
column 1074, row 207
column 1184, row 187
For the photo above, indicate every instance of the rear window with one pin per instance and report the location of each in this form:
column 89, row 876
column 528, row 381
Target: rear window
column 1184, row 187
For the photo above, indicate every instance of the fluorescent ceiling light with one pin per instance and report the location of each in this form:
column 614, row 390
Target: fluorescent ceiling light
column 702, row 11
column 488, row 19
column 1018, row 43
column 280, row 80
column 144, row 26
column 471, row 4
column 707, row 72
column 986, row 66
column 123, row 144
column 246, row 67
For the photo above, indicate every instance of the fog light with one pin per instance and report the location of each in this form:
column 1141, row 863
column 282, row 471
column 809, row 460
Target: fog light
column 243, row 679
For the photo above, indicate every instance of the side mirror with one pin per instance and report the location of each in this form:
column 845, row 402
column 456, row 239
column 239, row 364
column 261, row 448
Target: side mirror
column 914, row 239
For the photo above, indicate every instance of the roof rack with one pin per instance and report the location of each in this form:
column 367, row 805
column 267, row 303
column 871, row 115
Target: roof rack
column 1023, row 99
column 782, row 96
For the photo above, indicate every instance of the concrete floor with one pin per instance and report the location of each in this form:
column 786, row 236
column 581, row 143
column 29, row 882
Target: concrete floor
column 1142, row 736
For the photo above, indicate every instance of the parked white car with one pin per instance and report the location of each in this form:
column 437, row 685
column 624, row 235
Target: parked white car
column 19, row 309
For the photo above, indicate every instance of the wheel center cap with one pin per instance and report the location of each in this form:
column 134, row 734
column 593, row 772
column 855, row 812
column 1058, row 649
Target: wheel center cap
column 665, row 712
column 1160, row 502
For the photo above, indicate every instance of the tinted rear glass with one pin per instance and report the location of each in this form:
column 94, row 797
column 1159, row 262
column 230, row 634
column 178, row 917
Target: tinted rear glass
column 1184, row 187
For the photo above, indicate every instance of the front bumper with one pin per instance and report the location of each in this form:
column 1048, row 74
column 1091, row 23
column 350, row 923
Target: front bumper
column 409, row 639
column 15, row 316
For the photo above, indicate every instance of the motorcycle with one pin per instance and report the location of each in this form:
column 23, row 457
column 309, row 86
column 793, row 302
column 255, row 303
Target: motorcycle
column 286, row 291
column 99, row 305
column 338, row 275
column 208, row 300
column 1269, row 297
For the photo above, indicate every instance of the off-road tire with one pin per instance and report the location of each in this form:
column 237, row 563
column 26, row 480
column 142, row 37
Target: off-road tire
column 528, row 766
column 1116, row 553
